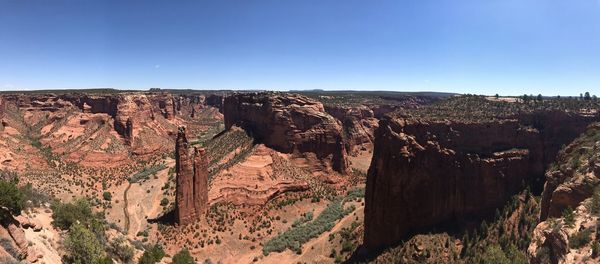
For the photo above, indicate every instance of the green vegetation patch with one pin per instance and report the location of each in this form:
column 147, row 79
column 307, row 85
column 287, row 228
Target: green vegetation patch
column 305, row 230
column 147, row 172
column 475, row 108
column 219, row 147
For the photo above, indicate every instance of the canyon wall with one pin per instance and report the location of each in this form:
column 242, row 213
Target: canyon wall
column 191, row 182
column 358, row 124
column 571, row 186
column 127, row 110
column 427, row 173
column 289, row 124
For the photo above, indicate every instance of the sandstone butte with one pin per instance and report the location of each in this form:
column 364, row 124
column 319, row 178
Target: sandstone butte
column 289, row 124
column 192, row 181
column 426, row 173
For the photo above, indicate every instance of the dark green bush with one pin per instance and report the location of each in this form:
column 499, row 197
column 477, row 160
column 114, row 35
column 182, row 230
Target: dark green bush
column 11, row 197
column 183, row 257
column 65, row 215
column 107, row 196
column 569, row 216
column 152, row 255
column 82, row 246
column 121, row 250
column 580, row 238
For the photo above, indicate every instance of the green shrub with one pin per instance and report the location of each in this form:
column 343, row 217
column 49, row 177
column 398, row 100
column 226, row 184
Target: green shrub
column 569, row 216
column 82, row 246
column 580, row 238
column 183, row 257
column 11, row 197
column 107, row 196
column 594, row 206
column 164, row 202
column 595, row 249
column 65, row 215
column 121, row 250
column 494, row 255
column 152, row 255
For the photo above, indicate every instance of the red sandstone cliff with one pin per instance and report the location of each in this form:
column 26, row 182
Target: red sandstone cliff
column 571, row 183
column 359, row 124
column 192, row 181
column 426, row 173
column 289, row 124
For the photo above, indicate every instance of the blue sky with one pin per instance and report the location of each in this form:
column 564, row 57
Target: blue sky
column 468, row 46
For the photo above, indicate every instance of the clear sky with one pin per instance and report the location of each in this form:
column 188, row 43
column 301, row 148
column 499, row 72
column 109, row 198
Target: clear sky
column 469, row 46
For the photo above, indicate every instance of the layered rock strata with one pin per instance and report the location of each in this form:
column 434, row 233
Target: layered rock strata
column 289, row 124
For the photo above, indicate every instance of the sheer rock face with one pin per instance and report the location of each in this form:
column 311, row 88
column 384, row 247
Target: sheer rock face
column 570, row 185
column 127, row 110
column 359, row 124
column 424, row 174
column 216, row 101
column 567, row 185
column 289, row 124
column 192, row 181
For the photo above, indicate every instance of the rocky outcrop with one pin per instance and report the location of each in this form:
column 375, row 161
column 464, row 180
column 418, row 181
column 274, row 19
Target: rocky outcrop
column 572, row 178
column 289, row 124
column 12, row 236
column 426, row 173
column 359, row 124
column 192, row 181
column 569, row 190
column 164, row 103
column 216, row 101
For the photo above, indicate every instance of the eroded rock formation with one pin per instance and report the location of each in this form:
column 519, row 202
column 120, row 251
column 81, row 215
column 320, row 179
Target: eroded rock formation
column 289, row 124
column 192, row 181
column 14, row 245
column 572, row 179
column 571, row 182
column 426, row 173
column 359, row 124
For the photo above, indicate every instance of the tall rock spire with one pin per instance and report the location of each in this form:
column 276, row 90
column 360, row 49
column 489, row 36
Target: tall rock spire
column 192, row 181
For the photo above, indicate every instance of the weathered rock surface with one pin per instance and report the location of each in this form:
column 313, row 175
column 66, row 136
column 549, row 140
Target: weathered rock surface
column 570, row 186
column 12, row 236
column 192, row 181
column 426, row 173
column 573, row 178
column 359, row 124
column 289, row 124
column 263, row 175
